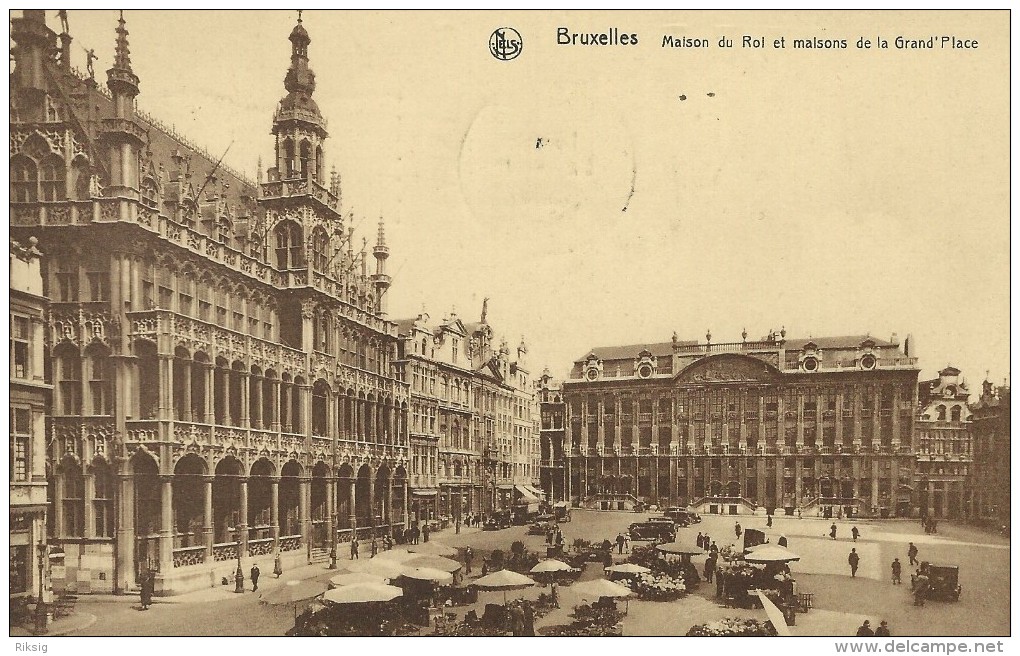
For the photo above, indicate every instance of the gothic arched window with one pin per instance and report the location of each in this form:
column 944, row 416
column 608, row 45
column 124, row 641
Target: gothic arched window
column 24, row 180
column 306, row 158
column 954, row 413
column 320, row 244
column 289, row 242
column 52, row 184
column 288, row 157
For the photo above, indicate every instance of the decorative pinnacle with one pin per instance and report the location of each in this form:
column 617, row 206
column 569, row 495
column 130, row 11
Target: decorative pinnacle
column 122, row 55
column 381, row 239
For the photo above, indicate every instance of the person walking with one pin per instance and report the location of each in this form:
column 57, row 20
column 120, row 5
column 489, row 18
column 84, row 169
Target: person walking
column 883, row 630
column 254, row 573
column 375, row 547
column 709, row 569
column 920, row 588
column 832, row 531
column 897, row 568
column 619, row 542
column 912, row 554
column 768, row 521
column 354, row 548
column 864, row 631
column 626, row 543
column 737, row 529
column 425, row 533
column 855, row 560
column 700, row 541
column 713, row 549
column 469, row 555
column 146, row 587
column 855, row 533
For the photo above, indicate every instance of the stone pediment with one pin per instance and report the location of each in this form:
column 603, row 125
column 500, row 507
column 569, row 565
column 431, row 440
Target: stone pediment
column 728, row 368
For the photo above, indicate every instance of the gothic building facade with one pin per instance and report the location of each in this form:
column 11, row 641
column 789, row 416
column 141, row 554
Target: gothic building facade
column 823, row 426
column 472, row 421
column 552, row 434
column 990, row 423
column 225, row 387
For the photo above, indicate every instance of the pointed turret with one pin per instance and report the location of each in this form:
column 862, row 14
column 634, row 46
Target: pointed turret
column 122, row 133
column 381, row 280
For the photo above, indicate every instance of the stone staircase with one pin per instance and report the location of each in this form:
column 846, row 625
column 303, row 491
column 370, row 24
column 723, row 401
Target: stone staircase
column 319, row 555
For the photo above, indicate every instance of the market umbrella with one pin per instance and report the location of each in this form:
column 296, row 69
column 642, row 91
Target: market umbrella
column 292, row 593
column 504, row 580
column 771, row 554
column 361, row 593
column 774, row 614
column 627, row 568
column 551, row 566
column 682, row 548
column 434, row 562
column 437, row 576
column 352, row 578
column 432, row 549
column 387, row 569
column 598, row 588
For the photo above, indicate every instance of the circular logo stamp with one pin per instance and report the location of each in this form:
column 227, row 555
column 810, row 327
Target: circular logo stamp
column 505, row 43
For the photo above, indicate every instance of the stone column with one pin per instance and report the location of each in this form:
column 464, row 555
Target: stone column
column 208, row 411
column 274, row 406
column 242, row 525
column 208, row 520
column 166, row 526
column 187, row 365
column 330, row 507
column 125, row 551
column 228, row 420
column 287, row 408
column 896, row 423
column 800, row 422
column 798, row 481
column 389, row 500
column 304, row 517
column 354, row 503
column 874, row 483
column 245, row 398
column 780, row 421
column 407, row 522
column 166, row 380
column 274, row 512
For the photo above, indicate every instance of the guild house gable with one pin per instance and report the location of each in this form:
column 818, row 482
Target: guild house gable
column 728, row 368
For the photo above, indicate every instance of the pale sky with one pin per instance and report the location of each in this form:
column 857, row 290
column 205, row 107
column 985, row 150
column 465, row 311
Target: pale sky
column 833, row 192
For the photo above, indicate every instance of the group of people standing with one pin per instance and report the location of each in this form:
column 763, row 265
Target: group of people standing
column 865, row 630
column 706, row 542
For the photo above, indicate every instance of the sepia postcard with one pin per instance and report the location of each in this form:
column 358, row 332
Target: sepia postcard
column 510, row 323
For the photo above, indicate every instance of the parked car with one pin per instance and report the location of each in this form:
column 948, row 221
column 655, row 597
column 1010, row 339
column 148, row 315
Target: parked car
column 944, row 582
column 562, row 510
column 681, row 515
column 653, row 531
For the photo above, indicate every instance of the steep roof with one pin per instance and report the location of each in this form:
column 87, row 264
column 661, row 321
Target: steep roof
column 632, row 350
column 404, row 326
column 845, row 341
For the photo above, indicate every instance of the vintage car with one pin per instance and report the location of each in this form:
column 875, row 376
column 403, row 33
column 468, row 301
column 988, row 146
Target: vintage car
column 498, row 520
column 562, row 510
column 665, row 531
column 540, row 528
column 682, row 516
column 944, row 582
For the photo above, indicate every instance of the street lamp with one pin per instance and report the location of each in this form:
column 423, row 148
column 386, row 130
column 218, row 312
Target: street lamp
column 239, row 574
column 40, row 606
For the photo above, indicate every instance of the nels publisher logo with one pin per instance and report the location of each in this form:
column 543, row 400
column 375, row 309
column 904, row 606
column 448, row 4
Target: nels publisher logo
column 505, row 43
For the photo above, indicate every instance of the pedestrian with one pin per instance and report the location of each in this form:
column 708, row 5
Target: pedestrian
column 713, row 549
column 798, row 514
column 146, row 586
column 375, row 547
column 626, row 543
column 920, row 588
column 607, row 557
column 897, row 567
column 737, row 529
column 768, row 521
column 864, row 631
column 912, row 554
column 832, row 531
column 517, row 621
column 469, row 555
column 529, row 619
column 354, row 548
column 709, row 568
column 559, row 537
column 555, row 596
column 415, row 533
column 782, row 541
column 700, row 541
column 855, row 533
column 254, row 577
column 425, row 532
column 883, row 630
column 934, row 525
column 855, row 560
column 619, row 542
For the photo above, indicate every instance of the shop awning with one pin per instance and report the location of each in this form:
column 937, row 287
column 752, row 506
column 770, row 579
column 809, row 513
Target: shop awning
column 526, row 495
column 534, row 491
column 425, row 492
column 504, row 487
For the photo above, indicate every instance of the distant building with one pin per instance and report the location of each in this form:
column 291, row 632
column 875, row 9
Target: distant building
column 552, row 436
column 29, row 406
column 473, row 419
column 820, row 425
column 991, row 430
column 944, row 447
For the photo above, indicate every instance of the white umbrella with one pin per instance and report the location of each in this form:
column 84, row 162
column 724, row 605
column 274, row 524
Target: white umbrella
column 432, row 549
column 433, row 562
column 551, row 565
column 680, row 548
column 628, row 568
column 601, row 588
column 396, row 556
column 504, row 580
column 356, row 577
column 771, row 554
column 361, row 593
column 428, row 574
column 292, row 593
column 387, row 569
column 774, row 614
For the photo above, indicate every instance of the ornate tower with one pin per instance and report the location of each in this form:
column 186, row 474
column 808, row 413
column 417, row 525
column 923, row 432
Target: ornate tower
column 122, row 134
column 381, row 281
column 298, row 125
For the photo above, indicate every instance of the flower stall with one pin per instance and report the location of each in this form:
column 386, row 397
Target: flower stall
column 733, row 626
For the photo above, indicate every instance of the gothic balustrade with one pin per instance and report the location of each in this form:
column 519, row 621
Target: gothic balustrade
column 260, row 547
column 225, row 551
column 185, row 556
column 290, row 542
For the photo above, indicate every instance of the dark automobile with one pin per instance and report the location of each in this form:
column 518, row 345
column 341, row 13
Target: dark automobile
column 498, row 520
column 944, row 582
column 682, row 516
column 653, row 531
